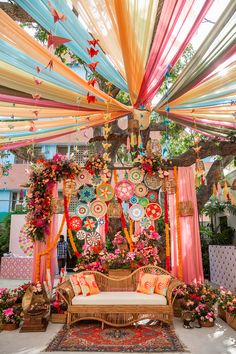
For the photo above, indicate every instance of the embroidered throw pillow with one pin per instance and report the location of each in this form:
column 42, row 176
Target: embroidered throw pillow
column 75, row 284
column 90, row 279
column 84, row 285
column 162, row 284
column 146, row 284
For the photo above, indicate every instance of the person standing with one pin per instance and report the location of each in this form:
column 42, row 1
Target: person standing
column 61, row 253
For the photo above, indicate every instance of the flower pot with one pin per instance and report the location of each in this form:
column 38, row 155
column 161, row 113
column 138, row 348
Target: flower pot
column 177, row 308
column 58, row 317
column 119, row 273
column 206, row 323
column 9, row 326
column 231, row 320
column 221, row 313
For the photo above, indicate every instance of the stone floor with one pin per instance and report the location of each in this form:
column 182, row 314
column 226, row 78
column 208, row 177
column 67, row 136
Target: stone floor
column 220, row 339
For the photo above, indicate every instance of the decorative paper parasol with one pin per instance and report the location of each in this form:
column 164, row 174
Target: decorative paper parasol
column 93, row 238
column 152, row 181
column 82, row 210
column 145, row 223
column 143, row 201
column 84, row 177
column 124, row 189
column 152, row 196
column 136, row 212
column 86, row 193
column 81, row 235
column 141, row 190
column 75, row 223
column 136, row 175
column 153, row 211
column 98, row 208
column 105, row 192
column 133, row 200
column 89, row 224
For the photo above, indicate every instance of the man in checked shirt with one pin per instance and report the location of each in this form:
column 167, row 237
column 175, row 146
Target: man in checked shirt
column 61, row 253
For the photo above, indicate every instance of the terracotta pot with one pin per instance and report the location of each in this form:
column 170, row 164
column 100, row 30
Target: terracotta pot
column 119, row 273
column 231, row 320
column 221, row 313
column 177, row 308
column 10, row 326
column 206, row 323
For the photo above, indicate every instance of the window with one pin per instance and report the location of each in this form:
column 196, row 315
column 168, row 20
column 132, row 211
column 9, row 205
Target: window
column 62, row 149
column 17, row 201
column 82, row 152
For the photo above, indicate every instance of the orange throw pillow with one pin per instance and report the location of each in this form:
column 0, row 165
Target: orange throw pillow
column 84, row 285
column 162, row 284
column 90, row 279
column 146, row 284
column 75, row 284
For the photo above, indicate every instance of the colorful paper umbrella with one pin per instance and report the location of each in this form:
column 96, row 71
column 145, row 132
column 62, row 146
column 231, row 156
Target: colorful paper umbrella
column 152, row 181
column 93, row 238
column 153, row 211
column 141, row 190
column 143, row 201
column 105, row 192
column 81, row 210
column 89, row 224
column 124, row 189
column 136, row 212
column 75, row 223
column 81, row 235
column 136, row 175
column 98, row 208
column 145, row 223
column 152, row 196
column 86, row 193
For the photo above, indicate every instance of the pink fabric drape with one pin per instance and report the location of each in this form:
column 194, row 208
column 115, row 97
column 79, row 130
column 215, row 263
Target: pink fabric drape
column 179, row 21
column 101, row 230
column 42, row 246
column 189, row 225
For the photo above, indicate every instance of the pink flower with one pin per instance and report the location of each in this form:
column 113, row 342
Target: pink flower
column 8, row 312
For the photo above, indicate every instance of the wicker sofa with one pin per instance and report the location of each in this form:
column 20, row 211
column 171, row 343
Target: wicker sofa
column 118, row 304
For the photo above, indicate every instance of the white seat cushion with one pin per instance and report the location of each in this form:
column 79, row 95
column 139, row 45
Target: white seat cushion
column 120, row 298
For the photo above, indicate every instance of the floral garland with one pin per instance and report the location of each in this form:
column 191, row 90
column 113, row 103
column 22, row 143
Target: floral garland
column 152, row 165
column 25, row 242
column 40, row 202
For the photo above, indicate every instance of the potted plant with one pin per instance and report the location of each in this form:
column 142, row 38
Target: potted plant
column 231, row 312
column 10, row 319
column 58, row 311
column 225, row 296
column 205, row 315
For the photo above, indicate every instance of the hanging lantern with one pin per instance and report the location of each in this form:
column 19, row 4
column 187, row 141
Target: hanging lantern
column 199, row 173
column 114, row 210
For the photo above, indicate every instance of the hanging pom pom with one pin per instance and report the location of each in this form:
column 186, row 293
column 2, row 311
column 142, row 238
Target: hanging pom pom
column 225, row 191
column 219, row 190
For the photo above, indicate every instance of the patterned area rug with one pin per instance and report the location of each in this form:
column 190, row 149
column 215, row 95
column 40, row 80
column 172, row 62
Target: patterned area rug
column 89, row 337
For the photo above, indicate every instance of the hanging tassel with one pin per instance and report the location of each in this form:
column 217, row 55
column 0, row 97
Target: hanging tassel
column 139, row 140
column 219, row 190
column 232, row 199
column 128, row 143
column 132, row 140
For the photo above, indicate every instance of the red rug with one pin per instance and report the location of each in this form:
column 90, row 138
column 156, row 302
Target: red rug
column 89, row 337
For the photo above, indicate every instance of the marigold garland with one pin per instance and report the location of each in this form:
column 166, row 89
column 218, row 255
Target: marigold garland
column 167, row 231
column 180, row 265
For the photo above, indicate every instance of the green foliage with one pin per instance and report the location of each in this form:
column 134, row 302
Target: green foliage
column 5, row 227
column 213, row 207
column 123, row 97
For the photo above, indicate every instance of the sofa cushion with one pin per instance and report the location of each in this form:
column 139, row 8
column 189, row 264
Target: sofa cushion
column 120, row 298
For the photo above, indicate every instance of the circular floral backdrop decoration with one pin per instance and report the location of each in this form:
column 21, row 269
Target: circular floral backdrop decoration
column 96, row 179
column 124, row 189
column 136, row 175
column 105, row 192
column 75, row 223
column 86, row 193
column 84, row 177
column 81, row 210
column 81, row 235
column 25, row 242
column 98, row 208
column 136, row 212
column 89, row 224
column 152, row 196
column 93, row 238
column 152, row 181
column 134, row 200
column 143, row 201
column 153, row 211
column 145, row 223
column 141, row 190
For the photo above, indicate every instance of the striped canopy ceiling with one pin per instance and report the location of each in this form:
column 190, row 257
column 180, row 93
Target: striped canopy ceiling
column 135, row 52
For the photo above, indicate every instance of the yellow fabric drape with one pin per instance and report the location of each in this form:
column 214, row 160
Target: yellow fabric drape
column 124, row 29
